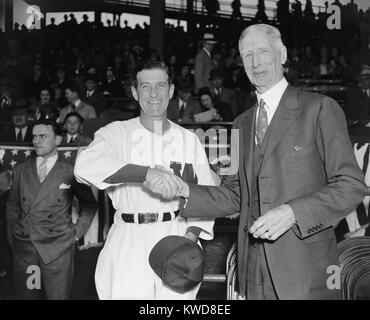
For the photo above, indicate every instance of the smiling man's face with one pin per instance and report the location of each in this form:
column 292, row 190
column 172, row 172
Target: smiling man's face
column 262, row 59
column 153, row 92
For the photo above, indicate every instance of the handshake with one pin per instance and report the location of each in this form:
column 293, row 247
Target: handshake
column 165, row 184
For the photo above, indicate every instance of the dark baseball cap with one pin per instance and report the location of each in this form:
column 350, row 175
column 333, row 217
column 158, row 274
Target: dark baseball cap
column 179, row 262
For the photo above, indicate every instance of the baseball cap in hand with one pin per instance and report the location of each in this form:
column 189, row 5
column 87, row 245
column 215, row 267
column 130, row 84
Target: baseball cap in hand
column 179, row 262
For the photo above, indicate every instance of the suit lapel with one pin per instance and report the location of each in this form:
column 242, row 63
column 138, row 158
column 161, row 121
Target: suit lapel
column 285, row 114
column 50, row 183
column 248, row 137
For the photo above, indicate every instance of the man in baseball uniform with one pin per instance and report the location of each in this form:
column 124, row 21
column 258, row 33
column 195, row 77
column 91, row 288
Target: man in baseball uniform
column 124, row 155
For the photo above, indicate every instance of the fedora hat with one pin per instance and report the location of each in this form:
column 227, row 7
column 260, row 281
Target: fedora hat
column 179, row 262
column 209, row 38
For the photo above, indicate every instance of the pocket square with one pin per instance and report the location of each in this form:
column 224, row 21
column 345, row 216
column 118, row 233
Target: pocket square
column 297, row 148
column 64, row 186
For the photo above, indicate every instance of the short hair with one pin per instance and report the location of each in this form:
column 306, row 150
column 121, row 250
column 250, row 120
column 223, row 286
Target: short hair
column 49, row 122
column 74, row 88
column 73, row 114
column 270, row 31
column 152, row 65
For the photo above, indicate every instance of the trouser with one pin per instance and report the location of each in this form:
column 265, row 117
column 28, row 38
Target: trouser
column 34, row 280
column 84, row 273
column 259, row 282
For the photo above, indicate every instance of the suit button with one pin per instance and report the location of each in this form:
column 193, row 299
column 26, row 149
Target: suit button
column 51, row 230
column 24, row 199
column 50, row 216
column 261, row 155
column 59, row 200
column 246, row 229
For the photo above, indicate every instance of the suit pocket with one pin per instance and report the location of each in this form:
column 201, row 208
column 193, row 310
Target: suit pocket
column 304, row 152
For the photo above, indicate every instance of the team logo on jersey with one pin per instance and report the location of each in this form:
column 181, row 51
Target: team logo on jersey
column 187, row 175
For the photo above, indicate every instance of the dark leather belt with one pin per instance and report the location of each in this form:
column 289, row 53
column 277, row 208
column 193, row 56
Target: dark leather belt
column 148, row 217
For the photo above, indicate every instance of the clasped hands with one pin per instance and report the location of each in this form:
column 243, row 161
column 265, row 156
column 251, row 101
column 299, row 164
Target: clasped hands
column 165, row 184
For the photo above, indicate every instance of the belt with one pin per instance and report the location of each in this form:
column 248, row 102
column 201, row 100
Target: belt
column 150, row 217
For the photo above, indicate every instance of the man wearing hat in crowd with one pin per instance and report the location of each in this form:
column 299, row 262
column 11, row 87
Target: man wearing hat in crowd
column 72, row 93
column 204, row 62
column 358, row 100
column 123, row 155
column 73, row 126
column 221, row 94
column 93, row 96
column 183, row 107
column 19, row 131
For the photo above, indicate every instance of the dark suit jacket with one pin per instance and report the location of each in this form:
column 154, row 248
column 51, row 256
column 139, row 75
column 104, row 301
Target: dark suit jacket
column 309, row 163
column 7, row 134
column 41, row 212
column 228, row 96
column 357, row 105
column 192, row 107
column 81, row 140
column 97, row 100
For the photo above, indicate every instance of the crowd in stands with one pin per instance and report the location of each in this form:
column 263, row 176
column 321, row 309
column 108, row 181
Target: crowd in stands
column 89, row 68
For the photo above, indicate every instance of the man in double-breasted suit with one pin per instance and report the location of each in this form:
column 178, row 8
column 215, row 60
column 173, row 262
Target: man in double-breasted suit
column 39, row 222
column 297, row 177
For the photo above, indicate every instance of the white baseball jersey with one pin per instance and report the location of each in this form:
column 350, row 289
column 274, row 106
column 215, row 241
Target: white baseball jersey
column 123, row 270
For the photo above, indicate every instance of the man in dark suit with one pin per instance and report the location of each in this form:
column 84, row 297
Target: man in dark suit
column 39, row 222
column 73, row 125
column 20, row 130
column 221, row 94
column 297, row 177
column 183, row 107
column 93, row 96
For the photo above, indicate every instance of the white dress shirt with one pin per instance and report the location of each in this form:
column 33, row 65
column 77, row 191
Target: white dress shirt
column 182, row 103
column 50, row 162
column 70, row 136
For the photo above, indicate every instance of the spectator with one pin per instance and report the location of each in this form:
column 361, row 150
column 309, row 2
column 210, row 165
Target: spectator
column 203, row 62
column 110, row 86
column 73, row 125
column 44, row 108
column 183, row 107
column 75, row 104
column 184, row 78
column 20, row 130
column 221, row 94
column 93, row 96
column 212, row 111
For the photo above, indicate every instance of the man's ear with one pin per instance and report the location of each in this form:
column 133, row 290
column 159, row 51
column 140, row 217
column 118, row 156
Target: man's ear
column 172, row 90
column 134, row 93
column 58, row 140
column 283, row 54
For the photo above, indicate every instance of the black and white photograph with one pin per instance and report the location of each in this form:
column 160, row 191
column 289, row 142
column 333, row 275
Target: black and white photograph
column 189, row 156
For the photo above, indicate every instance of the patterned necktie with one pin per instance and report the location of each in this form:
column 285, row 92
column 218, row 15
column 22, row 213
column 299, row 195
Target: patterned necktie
column 262, row 123
column 42, row 170
column 19, row 136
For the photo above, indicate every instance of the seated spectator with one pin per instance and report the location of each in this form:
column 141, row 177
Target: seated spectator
column 45, row 108
column 93, row 96
column 183, row 107
column 212, row 110
column 59, row 97
column 61, row 78
column 184, row 78
column 73, row 125
column 222, row 94
column 110, row 86
column 33, row 84
column 358, row 100
column 20, row 130
column 76, row 104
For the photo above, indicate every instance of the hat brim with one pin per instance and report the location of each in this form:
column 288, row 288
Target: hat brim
column 210, row 41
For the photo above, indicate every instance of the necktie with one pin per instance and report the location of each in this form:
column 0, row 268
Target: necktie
column 71, row 140
column 73, row 106
column 19, row 136
column 42, row 170
column 262, row 123
column 182, row 111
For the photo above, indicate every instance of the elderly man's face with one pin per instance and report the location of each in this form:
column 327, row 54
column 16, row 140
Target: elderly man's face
column 262, row 60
